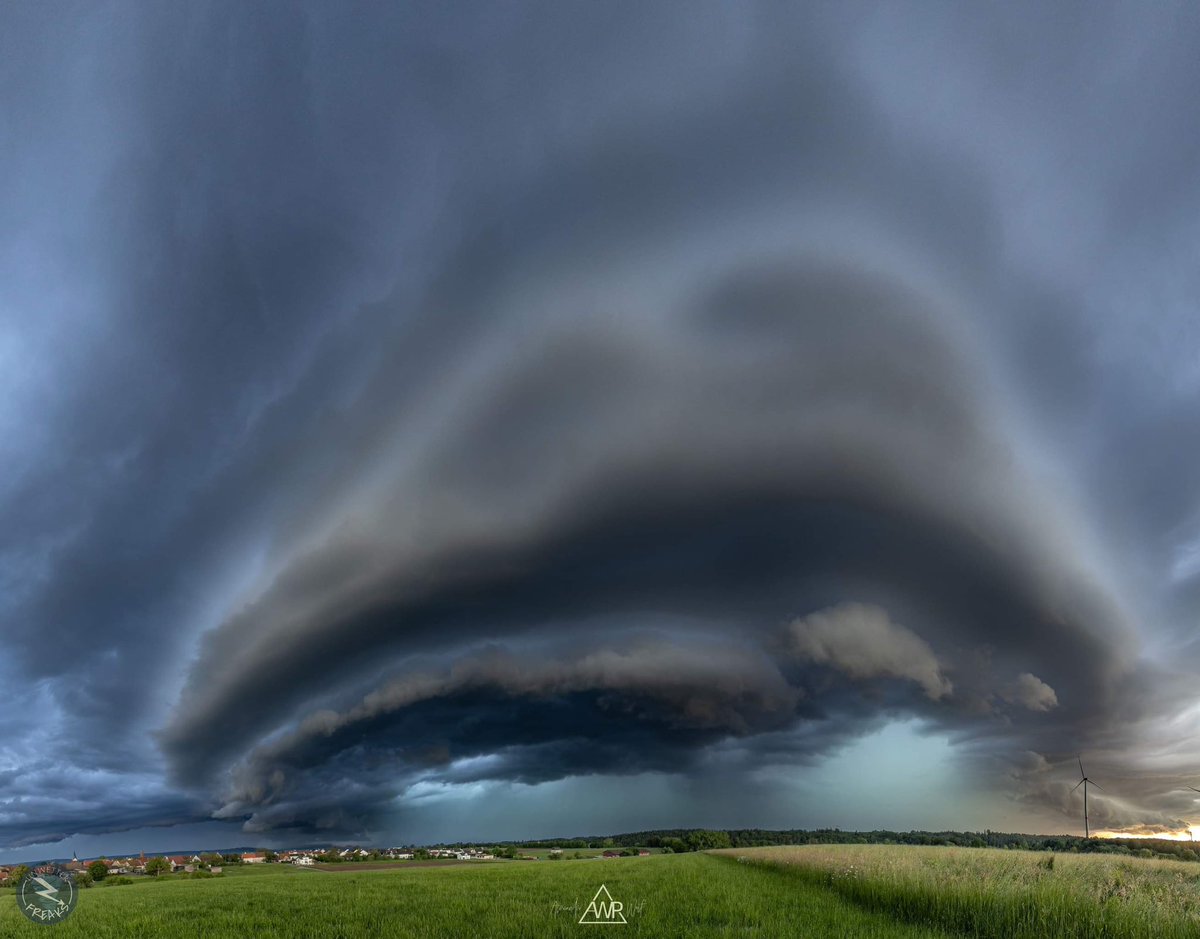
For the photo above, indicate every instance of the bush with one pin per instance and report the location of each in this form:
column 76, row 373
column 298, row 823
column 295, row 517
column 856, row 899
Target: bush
column 117, row 882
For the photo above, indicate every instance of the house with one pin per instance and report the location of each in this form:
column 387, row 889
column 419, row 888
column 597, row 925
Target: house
column 643, row 854
column 197, row 859
column 303, row 861
column 178, row 862
column 254, row 857
column 216, row 870
column 612, row 854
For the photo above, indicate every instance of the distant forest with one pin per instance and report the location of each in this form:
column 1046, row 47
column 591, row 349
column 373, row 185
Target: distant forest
column 700, row 839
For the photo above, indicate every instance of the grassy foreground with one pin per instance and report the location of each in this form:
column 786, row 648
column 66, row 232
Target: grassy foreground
column 836, row 890
column 1002, row 894
column 691, row 895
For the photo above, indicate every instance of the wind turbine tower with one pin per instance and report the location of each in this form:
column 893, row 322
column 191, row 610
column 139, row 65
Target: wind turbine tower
column 1085, row 782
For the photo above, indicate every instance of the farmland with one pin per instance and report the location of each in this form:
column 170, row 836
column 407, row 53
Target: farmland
column 989, row 893
column 690, row 895
column 852, row 891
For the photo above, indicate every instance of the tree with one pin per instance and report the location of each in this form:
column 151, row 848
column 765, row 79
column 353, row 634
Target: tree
column 158, row 865
column 18, row 873
column 98, row 870
column 82, row 879
column 704, row 840
column 269, row 855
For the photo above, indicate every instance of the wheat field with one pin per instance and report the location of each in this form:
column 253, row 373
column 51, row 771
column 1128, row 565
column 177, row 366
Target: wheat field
column 989, row 892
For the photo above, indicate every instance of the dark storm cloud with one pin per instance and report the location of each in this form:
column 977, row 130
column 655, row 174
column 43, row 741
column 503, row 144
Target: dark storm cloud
column 356, row 342
column 47, row 800
column 618, row 555
column 884, row 488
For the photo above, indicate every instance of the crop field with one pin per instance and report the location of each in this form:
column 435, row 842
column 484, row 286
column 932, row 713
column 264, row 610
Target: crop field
column 665, row 895
column 986, row 893
column 844, row 891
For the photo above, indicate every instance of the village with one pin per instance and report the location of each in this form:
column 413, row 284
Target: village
column 214, row 863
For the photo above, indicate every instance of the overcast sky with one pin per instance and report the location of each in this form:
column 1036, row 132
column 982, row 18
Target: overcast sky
column 438, row 421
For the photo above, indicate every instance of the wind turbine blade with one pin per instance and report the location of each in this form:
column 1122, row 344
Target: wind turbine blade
column 1194, row 789
column 1096, row 784
column 1081, row 772
column 1077, row 785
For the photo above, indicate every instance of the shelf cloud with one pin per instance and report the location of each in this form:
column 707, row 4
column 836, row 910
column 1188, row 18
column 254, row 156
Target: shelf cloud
column 498, row 395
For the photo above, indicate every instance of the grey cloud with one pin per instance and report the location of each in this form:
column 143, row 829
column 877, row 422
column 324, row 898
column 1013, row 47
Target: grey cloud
column 862, row 641
column 1031, row 692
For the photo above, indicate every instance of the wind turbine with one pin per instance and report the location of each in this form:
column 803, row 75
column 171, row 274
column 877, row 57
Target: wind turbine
column 1192, row 831
column 1085, row 782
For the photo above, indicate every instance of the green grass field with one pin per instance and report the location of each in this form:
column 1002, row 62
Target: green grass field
column 843, row 891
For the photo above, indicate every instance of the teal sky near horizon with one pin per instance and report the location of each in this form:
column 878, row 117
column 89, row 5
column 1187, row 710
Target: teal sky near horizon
column 897, row 778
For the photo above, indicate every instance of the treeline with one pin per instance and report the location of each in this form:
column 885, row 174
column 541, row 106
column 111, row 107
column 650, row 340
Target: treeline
column 695, row 839
column 701, row 839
